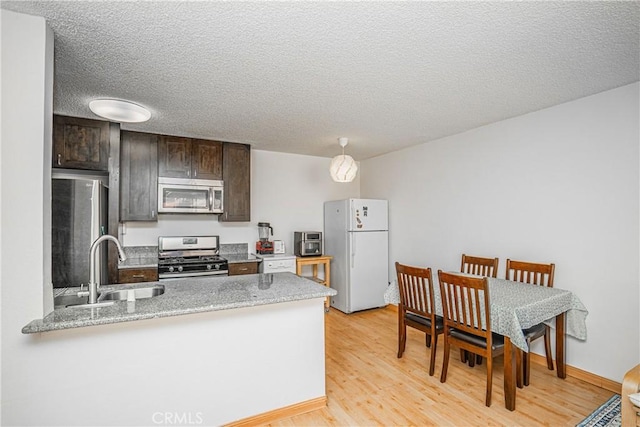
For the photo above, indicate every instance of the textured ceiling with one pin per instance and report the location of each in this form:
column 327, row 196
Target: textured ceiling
column 295, row 76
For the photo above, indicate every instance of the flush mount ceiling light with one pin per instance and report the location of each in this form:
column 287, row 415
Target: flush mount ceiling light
column 343, row 168
column 119, row 111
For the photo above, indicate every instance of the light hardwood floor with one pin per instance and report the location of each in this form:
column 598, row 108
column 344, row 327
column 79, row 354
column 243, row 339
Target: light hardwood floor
column 367, row 385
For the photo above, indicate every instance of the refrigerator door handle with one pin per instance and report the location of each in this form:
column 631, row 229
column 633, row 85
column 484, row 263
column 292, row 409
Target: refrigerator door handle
column 353, row 250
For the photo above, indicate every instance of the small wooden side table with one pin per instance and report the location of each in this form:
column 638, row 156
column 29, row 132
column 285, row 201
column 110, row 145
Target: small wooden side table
column 314, row 262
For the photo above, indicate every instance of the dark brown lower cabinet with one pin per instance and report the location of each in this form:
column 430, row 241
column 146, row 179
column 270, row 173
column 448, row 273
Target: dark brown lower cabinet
column 138, row 176
column 137, row 275
column 238, row 268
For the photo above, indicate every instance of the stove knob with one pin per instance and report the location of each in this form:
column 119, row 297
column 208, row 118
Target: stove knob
column 180, row 268
column 217, row 266
column 171, row 269
column 208, row 266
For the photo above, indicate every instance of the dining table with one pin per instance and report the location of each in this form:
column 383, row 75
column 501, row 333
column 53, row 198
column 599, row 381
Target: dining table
column 515, row 306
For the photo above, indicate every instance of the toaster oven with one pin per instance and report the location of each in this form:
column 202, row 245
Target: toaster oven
column 307, row 243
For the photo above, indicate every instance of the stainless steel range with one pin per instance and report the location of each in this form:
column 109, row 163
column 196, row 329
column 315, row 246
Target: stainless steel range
column 190, row 256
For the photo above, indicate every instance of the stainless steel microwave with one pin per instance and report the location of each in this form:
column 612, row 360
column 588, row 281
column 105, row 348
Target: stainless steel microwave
column 307, row 243
column 178, row 195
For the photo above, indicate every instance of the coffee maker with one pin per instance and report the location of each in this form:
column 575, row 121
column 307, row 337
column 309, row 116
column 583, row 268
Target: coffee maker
column 264, row 245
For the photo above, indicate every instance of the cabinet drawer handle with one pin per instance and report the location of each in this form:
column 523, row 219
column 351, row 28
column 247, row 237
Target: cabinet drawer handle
column 244, row 268
column 59, row 159
column 195, row 173
column 138, row 276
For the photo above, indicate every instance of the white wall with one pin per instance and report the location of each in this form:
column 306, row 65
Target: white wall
column 47, row 137
column 559, row 185
column 205, row 368
column 26, row 117
column 287, row 190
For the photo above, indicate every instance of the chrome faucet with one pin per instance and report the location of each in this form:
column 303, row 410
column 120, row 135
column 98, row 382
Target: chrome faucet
column 93, row 282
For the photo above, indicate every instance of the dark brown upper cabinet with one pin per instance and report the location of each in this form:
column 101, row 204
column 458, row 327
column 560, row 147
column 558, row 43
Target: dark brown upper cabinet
column 138, row 176
column 189, row 158
column 174, row 157
column 80, row 143
column 236, row 172
column 206, row 159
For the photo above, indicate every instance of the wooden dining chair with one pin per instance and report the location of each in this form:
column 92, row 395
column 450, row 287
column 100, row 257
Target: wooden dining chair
column 478, row 266
column 417, row 308
column 467, row 321
column 536, row 274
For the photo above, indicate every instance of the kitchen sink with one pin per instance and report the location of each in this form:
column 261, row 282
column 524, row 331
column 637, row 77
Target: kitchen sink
column 75, row 301
column 107, row 298
column 62, row 301
column 128, row 294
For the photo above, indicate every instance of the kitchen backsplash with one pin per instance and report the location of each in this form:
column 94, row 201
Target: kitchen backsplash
column 134, row 253
column 141, row 252
column 234, row 248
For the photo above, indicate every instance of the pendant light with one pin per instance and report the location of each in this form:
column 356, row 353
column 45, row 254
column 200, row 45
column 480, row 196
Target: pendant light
column 343, row 168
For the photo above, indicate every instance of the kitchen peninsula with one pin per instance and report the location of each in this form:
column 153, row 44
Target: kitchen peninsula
column 206, row 349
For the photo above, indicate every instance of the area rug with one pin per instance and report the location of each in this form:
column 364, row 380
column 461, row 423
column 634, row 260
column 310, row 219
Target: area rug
column 607, row 415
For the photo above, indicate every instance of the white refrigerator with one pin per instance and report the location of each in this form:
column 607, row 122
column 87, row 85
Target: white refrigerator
column 356, row 236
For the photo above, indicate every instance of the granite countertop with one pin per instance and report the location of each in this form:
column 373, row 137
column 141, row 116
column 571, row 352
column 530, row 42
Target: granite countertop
column 139, row 263
column 237, row 252
column 237, row 258
column 140, row 257
column 186, row 296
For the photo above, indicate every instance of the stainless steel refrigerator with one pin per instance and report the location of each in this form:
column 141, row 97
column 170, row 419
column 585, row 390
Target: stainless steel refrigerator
column 356, row 236
column 79, row 210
